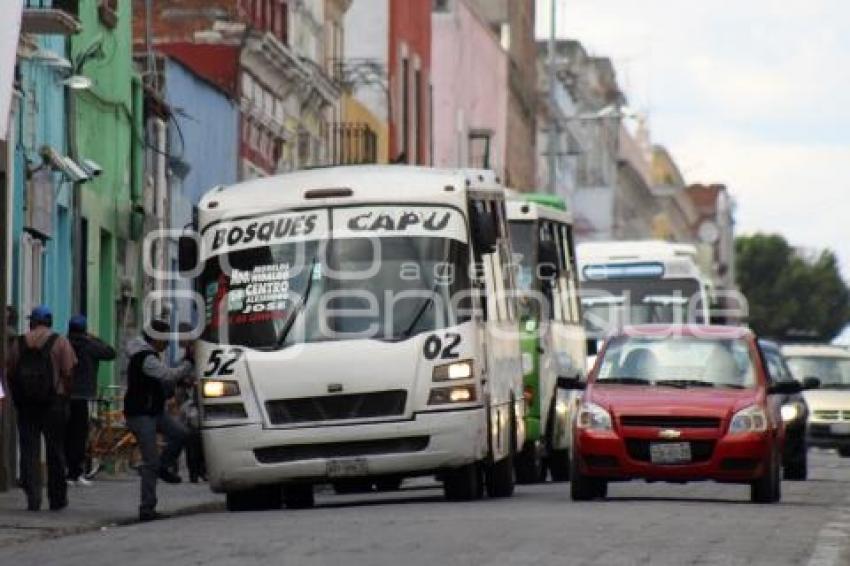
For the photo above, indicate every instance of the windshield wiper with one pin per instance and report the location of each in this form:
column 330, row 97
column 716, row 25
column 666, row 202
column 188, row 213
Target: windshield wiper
column 284, row 334
column 625, row 380
column 684, row 383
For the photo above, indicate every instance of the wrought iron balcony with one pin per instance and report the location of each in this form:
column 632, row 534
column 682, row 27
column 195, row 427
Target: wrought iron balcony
column 353, row 144
column 56, row 17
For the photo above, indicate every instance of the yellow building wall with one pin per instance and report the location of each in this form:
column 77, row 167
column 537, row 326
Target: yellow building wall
column 354, row 112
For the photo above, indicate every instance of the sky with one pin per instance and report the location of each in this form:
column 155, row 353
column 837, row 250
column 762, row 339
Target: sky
column 751, row 93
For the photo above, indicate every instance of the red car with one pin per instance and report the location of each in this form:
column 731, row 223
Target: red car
column 679, row 404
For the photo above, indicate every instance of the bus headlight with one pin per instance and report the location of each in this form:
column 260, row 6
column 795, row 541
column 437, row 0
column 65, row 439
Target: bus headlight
column 213, row 388
column 453, row 371
column 448, row 395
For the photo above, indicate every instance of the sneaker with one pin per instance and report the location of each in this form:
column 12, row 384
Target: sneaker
column 150, row 515
column 84, row 482
column 168, row 476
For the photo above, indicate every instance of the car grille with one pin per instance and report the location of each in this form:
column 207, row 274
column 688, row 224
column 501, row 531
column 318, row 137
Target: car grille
column 638, row 449
column 836, row 415
column 296, row 452
column 669, row 421
column 336, row 407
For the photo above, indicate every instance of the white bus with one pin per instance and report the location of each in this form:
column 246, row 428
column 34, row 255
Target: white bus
column 636, row 282
column 360, row 326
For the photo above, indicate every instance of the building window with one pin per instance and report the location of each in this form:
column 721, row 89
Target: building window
column 479, row 148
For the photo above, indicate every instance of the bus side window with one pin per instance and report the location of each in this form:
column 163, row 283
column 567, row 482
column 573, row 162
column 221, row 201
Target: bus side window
column 492, row 293
column 569, row 275
column 573, row 277
column 551, row 288
column 506, row 262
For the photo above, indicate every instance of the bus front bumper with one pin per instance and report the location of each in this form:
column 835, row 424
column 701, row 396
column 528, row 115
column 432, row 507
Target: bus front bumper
column 244, row 456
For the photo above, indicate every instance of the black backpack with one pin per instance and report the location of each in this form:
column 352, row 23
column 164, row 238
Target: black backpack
column 33, row 379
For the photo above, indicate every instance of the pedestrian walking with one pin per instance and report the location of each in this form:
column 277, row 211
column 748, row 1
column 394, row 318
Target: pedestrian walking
column 40, row 365
column 90, row 351
column 149, row 383
column 187, row 401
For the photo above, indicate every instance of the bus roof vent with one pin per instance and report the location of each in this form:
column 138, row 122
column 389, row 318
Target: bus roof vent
column 332, row 192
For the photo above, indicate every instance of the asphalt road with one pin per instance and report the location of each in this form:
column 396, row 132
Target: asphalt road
column 699, row 524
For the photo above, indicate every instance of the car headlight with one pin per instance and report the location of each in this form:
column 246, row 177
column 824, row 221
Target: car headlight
column 751, row 419
column 593, row 417
column 214, row 388
column 791, row 412
column 453, row 371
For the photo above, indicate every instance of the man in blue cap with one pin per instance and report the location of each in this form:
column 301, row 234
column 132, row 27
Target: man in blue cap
column 90, row 351
column 41, row 365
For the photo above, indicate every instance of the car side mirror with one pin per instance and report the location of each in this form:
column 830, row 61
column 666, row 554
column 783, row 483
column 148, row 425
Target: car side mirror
column 811, row 382
column 571, row 383
column 784, row 388
column 187, row 254
column 547, row 256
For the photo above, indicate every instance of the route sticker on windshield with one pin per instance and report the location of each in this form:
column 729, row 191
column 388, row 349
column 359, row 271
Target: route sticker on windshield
column 372, row 221
column 265, row 288
column 274, row 229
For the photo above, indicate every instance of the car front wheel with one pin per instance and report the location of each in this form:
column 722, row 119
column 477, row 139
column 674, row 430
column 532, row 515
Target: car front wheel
column 585, row 488
column 768, row 488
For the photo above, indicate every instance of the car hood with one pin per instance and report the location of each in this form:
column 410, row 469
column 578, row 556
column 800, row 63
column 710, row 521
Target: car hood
column 649, row 400
column 827, row 399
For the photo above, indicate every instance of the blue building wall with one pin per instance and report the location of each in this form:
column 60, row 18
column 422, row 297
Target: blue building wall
column 203, row 140
column 42, row 121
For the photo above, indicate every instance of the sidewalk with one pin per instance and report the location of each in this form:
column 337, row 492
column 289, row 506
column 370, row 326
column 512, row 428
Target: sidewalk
column 111, row 501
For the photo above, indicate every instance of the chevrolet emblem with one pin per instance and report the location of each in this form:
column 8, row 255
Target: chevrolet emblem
column 669, row 433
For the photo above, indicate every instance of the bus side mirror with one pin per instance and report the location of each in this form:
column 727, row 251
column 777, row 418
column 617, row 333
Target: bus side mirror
column 811, row 383
column 484, row 233
column 592, row 347
column 187, row 254
column 547, row 254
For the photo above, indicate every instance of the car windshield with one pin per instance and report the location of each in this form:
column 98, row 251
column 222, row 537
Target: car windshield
column 385, row 288
column 833, row 372
column 678, row 361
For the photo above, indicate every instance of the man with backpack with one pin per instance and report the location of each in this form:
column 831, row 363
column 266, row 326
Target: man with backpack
column 40, row 366
column 90, row 351
column 149, row 383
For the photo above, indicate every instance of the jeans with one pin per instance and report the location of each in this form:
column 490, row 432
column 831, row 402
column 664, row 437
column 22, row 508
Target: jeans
column 145, row 428
column 76, row 438
column 50, row 422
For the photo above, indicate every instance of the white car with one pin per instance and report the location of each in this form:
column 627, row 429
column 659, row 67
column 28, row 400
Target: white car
column 829, row 402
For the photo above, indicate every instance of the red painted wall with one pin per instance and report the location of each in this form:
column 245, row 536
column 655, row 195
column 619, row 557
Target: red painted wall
column 410, row 25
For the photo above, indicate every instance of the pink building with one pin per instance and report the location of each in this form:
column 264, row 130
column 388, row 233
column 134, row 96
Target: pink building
column 470, row 76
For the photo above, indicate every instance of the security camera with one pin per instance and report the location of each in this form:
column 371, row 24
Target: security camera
column 92, row 168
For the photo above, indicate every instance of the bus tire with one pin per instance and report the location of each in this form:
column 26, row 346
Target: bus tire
column 298, row 496
column 464, row 483
column 529, row 465
column 261, row 498
column 559, row 465
column 500, row 478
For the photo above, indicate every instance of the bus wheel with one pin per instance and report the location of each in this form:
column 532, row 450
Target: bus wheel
column 529, row 465
column 559, row 465
column 298, row 496
column 255, row 499
column 500, row 478
column 464, row 483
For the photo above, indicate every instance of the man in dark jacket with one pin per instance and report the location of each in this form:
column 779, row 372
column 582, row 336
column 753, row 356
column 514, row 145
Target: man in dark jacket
column 90, row 352
column 45, row 417
column 149, row 383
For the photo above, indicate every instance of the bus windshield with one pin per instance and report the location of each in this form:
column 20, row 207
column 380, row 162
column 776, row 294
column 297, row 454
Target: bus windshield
column 611, row 304
column 387, row 288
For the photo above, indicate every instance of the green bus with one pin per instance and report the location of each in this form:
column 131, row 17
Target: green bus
column 552, row 335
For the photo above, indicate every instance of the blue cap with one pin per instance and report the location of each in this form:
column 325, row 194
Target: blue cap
column 78, row 323
column 41, row 313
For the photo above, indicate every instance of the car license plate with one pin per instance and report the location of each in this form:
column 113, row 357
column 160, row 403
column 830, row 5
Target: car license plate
column 842, row 429
column 669, row 452
column 350, row 467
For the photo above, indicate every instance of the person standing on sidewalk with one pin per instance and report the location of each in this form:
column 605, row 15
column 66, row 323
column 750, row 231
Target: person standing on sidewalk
column 149, row 383
column 90, row 351
column 40, row 366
